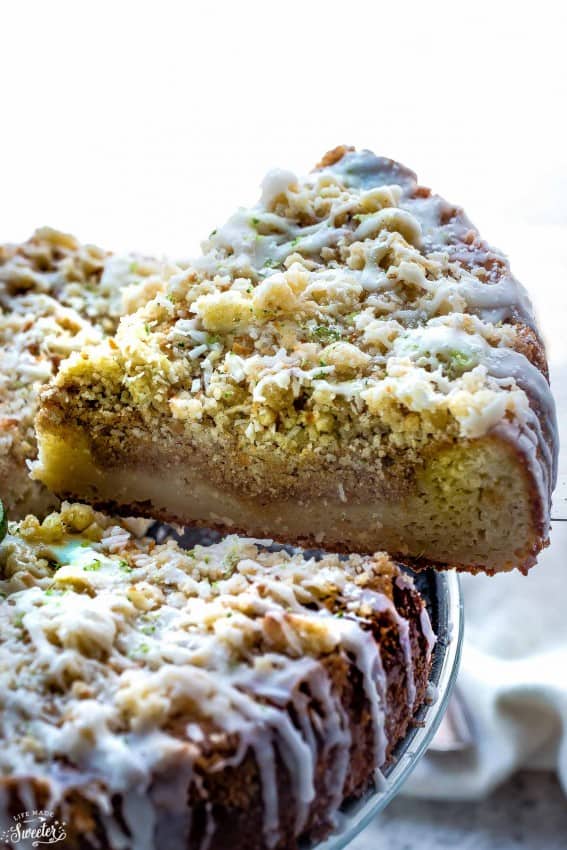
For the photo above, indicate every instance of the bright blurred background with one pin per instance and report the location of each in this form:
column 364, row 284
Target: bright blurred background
column 141, row 125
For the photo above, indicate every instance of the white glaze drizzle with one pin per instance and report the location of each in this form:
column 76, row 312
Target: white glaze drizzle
column 378, row 603
column 427, row 631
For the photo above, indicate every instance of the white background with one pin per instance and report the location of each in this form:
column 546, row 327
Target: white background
column 142, row 125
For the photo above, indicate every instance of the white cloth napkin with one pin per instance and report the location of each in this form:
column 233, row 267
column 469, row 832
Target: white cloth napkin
column 513, row 677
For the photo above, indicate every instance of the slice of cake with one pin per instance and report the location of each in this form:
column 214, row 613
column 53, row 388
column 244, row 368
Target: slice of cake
column 153, row 697
column 347, row 365
column 56, row 296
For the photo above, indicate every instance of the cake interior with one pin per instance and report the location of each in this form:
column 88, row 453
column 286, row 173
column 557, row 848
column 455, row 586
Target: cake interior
column 469, row 505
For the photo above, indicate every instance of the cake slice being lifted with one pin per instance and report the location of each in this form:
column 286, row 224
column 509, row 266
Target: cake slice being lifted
column 347, row 364
column 158, row 698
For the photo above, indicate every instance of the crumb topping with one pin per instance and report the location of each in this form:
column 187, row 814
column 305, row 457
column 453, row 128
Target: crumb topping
column 348, row 299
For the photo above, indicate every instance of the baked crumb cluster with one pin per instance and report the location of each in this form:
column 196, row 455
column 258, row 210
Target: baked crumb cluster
column 109, row 640
column 347, row 301
column 56, row 296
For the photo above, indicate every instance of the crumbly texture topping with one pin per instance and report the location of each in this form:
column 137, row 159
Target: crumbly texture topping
column 56, row 296
column 110, row 642
column 349, row 300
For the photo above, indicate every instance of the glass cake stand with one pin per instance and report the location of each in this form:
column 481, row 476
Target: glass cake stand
column 442, row 594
